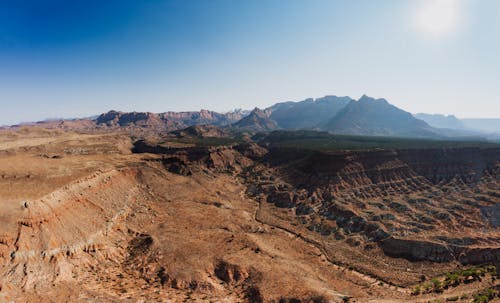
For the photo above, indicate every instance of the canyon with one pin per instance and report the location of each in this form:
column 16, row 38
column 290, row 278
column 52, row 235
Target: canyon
column 186, row 217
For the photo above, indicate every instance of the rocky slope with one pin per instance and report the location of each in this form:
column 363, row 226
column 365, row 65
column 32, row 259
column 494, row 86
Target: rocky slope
column 307, row 114
column 167, row 120
column 201, row 131
column 435, row 205
column 416, row 210
column 257, row 120
column 369, row 116
column 134, row 230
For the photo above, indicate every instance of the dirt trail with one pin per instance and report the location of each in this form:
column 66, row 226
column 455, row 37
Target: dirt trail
column 323, row 253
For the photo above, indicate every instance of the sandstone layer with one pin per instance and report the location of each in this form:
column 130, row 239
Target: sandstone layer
column 102, row 218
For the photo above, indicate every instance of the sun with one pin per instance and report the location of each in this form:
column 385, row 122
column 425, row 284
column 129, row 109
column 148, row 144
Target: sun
column 437, row 18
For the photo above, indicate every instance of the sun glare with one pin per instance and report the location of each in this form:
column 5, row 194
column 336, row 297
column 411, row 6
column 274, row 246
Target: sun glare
column 437, row 18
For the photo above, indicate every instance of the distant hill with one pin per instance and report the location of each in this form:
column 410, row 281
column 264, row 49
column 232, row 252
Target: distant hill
column 377, row 117
column 485, row 125
column 451, row 126
column 441, row 121
column 257, row 120
column 307, row 114
column 201, row 131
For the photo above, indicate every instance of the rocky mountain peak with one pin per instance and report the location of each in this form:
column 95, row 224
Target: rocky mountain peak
column 257, row 120
column 370, row 100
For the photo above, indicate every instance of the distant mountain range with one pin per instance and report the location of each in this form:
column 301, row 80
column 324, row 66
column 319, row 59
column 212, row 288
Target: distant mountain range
column 340, row 115
column 369, row 116
column 441, row 121
column 168, row 120
column 486, row 125
column 452, row 126
column 343, row 115
column 376, row 117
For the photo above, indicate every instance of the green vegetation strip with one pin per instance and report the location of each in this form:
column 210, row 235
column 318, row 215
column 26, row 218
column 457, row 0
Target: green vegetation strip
column 205, row 142
column 454, row 279
column 324, row 141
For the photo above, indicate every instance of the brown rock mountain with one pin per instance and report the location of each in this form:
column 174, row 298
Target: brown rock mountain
column 257, row 120
column 167, row 120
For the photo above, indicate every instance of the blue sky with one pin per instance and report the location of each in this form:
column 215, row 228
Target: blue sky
column 79, row 58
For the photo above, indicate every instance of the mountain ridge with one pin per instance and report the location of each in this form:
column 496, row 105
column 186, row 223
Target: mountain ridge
column 257, row 120
column 342, row 115
column 370, row 116
column 310, row 112
column 441, row 121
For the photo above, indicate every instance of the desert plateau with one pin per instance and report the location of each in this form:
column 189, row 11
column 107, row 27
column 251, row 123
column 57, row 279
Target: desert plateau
column 99, row 216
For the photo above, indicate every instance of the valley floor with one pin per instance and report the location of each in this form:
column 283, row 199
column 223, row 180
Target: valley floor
column 85, row 220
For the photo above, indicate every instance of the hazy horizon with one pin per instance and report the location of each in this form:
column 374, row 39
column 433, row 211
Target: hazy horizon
column 70, row 60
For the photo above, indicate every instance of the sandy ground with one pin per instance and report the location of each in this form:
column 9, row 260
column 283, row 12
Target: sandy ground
column 84, row 220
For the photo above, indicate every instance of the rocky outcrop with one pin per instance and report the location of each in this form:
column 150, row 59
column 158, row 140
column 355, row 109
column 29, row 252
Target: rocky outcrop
column 202, row 117
column 257, row 120
column 201, row 131
column 395, row 198
column 415, row 250
column 307, row 114
column 218, row 158
column 442, row 165
column 398, row 199
column 424, row 250
column 367, row 174
column 230, row 273
column 478, row 255
column 377, row 171
column 140, row 119
column 177, row 166
column 283, row 199
column 492, row 214
column 166, row 121
column 68, row 228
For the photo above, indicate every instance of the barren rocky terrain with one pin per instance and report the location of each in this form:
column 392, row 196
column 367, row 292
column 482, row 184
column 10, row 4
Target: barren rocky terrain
column 101, row 216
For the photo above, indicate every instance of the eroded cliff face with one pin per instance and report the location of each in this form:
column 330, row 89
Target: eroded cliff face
column 82, row 219
column 166, row 121
column 441, row 166
column 436, row 205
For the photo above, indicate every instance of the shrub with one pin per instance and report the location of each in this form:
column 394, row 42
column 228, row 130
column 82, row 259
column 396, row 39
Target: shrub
column 452, row 279
column 484, row 296
column 437, row 286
